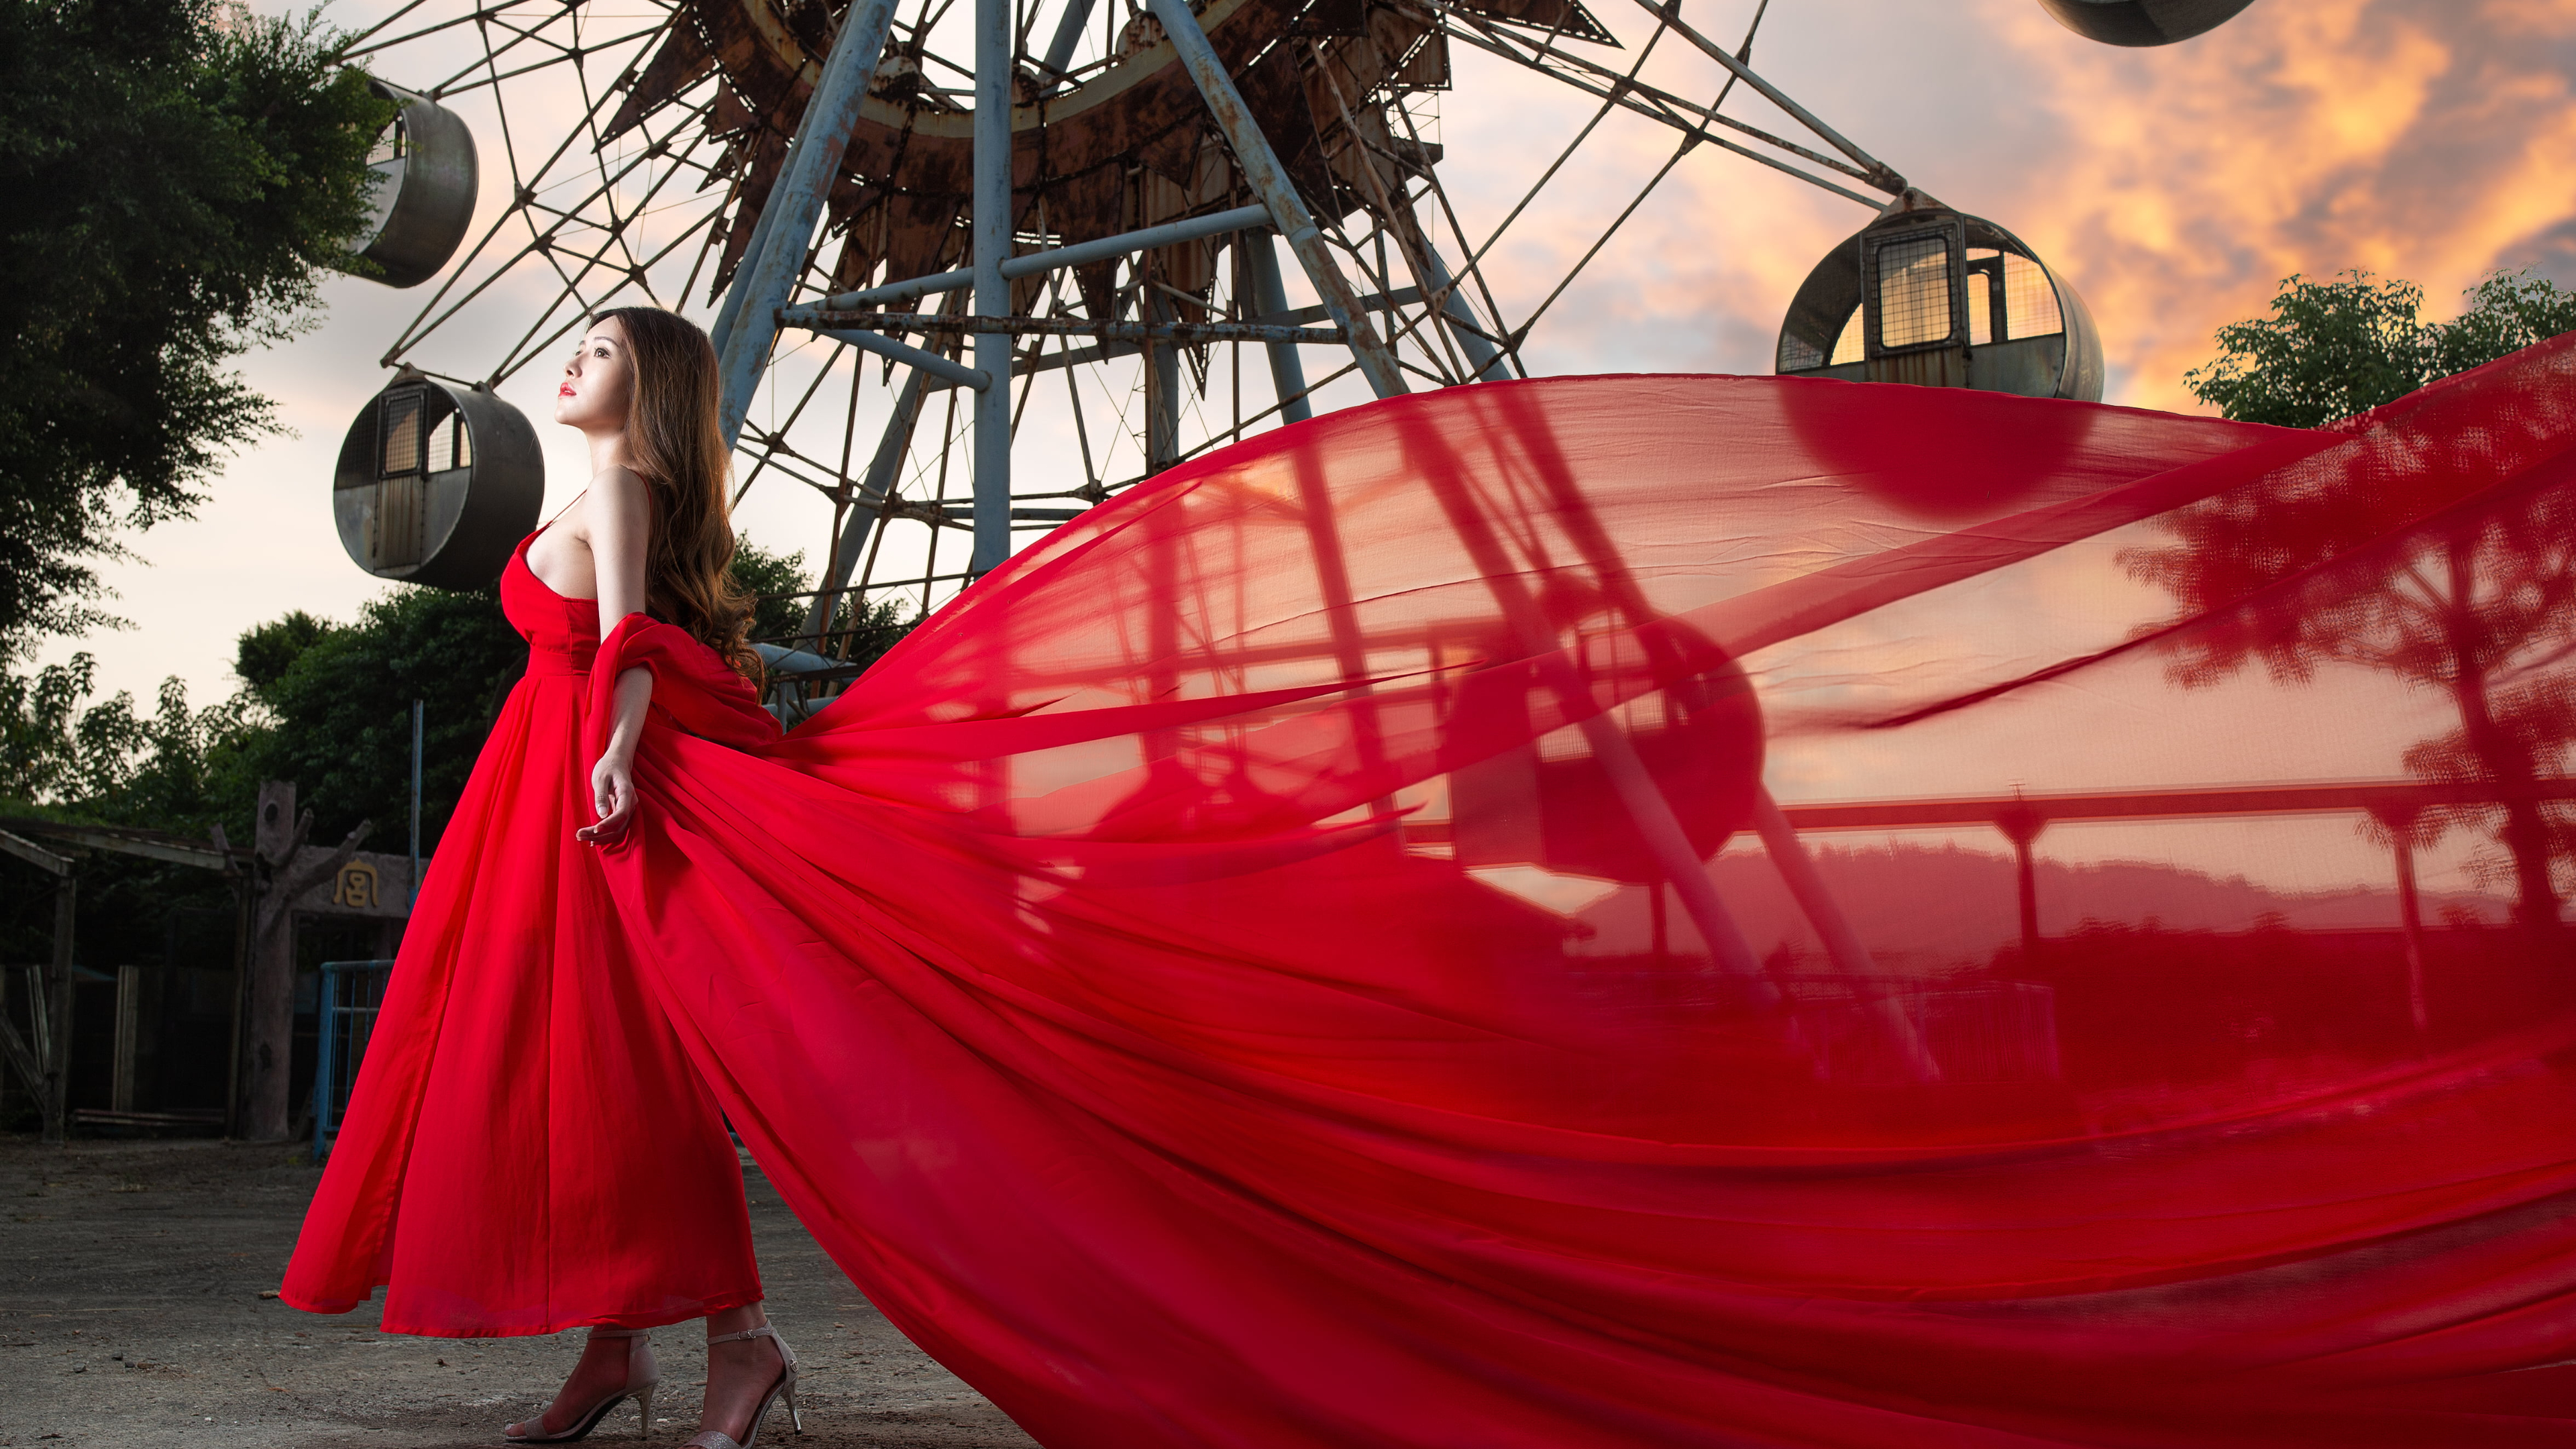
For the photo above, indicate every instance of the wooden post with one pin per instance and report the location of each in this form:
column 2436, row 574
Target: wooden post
column 58, row 1012
column 2022, row 825
column 268, row 1017
column 42, row 1058
column 129, row 1032
column 245, row 884
column 268, row 1040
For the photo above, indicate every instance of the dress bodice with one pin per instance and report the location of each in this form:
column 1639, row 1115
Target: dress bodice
column 562, row 634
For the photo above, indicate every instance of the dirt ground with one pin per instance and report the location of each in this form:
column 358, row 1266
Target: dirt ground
column 131, row 1314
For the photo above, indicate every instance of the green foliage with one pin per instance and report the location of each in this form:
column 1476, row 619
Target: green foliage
column 874, row 631
column 337, row 716
column 176, row 174
column 871, row 632
column 266, row 651
column 765, row 575
column 174, row 769
column 2506, row 313
column 2329, row 350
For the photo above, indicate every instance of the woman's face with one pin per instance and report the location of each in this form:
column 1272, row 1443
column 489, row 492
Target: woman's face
column 598, row 381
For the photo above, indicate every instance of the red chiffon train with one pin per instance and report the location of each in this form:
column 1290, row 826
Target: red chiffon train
column 1679, row 911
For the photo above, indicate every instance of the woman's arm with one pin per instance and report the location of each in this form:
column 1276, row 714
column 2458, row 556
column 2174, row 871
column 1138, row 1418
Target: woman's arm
column 617, row 521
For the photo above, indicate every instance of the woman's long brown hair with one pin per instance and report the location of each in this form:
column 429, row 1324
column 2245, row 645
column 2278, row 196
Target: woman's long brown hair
column 676, row 441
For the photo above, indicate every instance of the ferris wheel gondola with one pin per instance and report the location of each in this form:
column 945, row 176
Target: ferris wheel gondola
column 2143, row 22
column 1930, row 295
column 426, row 176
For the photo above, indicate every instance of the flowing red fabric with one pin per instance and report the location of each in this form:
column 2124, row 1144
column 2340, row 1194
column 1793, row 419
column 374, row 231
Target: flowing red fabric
column 1685, row 911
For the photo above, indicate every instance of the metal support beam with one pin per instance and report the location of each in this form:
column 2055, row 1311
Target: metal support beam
column 913, row 357
column 767, row 277
column 1670, row 13
column 1484, row 360
column 1052, row 259
column 1068, row 34
column 1162, row 393
column 731, row 310
column 1270, row 299
column 873, row 488
column 1155, row 331
column 1269, row 181
column 994, row 61
column 1843, row 945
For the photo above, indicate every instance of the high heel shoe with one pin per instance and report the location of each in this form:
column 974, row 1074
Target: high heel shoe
column 785, row 1384
column 643, row 1375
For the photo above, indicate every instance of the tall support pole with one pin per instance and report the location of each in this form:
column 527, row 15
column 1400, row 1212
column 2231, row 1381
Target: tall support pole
column 1270, row 299
column 1843, row 945
column 1484, row 360
column 768, row 274
column 2022, row 826
column 1162, row 394
column 1068, row 34
column 1270, row 184
column 731, row 311
column 418, row 715
column 58, row 1014
column 873, row 488
column 994, row 60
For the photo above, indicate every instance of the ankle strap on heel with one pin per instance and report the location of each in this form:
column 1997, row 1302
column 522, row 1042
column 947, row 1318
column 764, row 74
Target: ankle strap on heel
column 786, row 1355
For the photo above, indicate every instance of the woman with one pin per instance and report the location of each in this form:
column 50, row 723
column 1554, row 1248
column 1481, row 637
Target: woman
column 528, row 1150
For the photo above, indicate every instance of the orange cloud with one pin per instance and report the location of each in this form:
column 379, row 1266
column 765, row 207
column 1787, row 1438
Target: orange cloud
column 2424, row 140
column 2428, row 139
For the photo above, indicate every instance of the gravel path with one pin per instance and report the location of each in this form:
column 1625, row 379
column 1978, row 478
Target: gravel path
column 132, row 1315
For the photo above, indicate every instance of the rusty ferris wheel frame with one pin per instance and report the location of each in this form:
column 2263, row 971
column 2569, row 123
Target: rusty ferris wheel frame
column 879, row 226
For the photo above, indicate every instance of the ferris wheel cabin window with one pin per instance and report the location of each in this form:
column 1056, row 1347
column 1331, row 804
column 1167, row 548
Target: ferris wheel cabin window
column 1914, row 290
column 401, row 432
column 2009, row 297
column 389, row 143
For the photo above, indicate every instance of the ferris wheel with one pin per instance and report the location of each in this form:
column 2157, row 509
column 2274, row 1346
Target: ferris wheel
column 922, row 230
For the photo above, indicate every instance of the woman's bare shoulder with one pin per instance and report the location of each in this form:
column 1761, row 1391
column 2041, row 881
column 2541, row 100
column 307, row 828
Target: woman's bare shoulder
column 616, row 495
column 616, row 482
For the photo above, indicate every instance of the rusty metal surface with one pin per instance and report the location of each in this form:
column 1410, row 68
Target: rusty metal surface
column 1130, row 146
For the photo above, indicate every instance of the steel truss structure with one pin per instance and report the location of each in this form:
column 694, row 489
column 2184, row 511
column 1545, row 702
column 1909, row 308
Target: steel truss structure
column 906, row 250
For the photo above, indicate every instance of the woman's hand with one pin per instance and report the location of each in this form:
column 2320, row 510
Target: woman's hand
column 612, row 797
column 612, row 780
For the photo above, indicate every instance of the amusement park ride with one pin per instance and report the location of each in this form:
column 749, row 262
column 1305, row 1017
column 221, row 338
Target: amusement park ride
column 927, row 220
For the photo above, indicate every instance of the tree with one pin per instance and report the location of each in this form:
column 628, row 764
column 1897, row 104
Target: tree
column 176, row 175
column 335, row 713
column 2480, row 609
column 2332, row 349
column 178, row 768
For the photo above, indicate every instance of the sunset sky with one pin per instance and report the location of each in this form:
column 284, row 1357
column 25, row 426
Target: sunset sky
column 2429, row 139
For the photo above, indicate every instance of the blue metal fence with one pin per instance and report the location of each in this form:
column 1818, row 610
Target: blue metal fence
column 351, row 992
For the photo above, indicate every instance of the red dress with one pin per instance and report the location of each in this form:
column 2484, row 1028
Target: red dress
column 527, row 1148
column 1308, row 955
